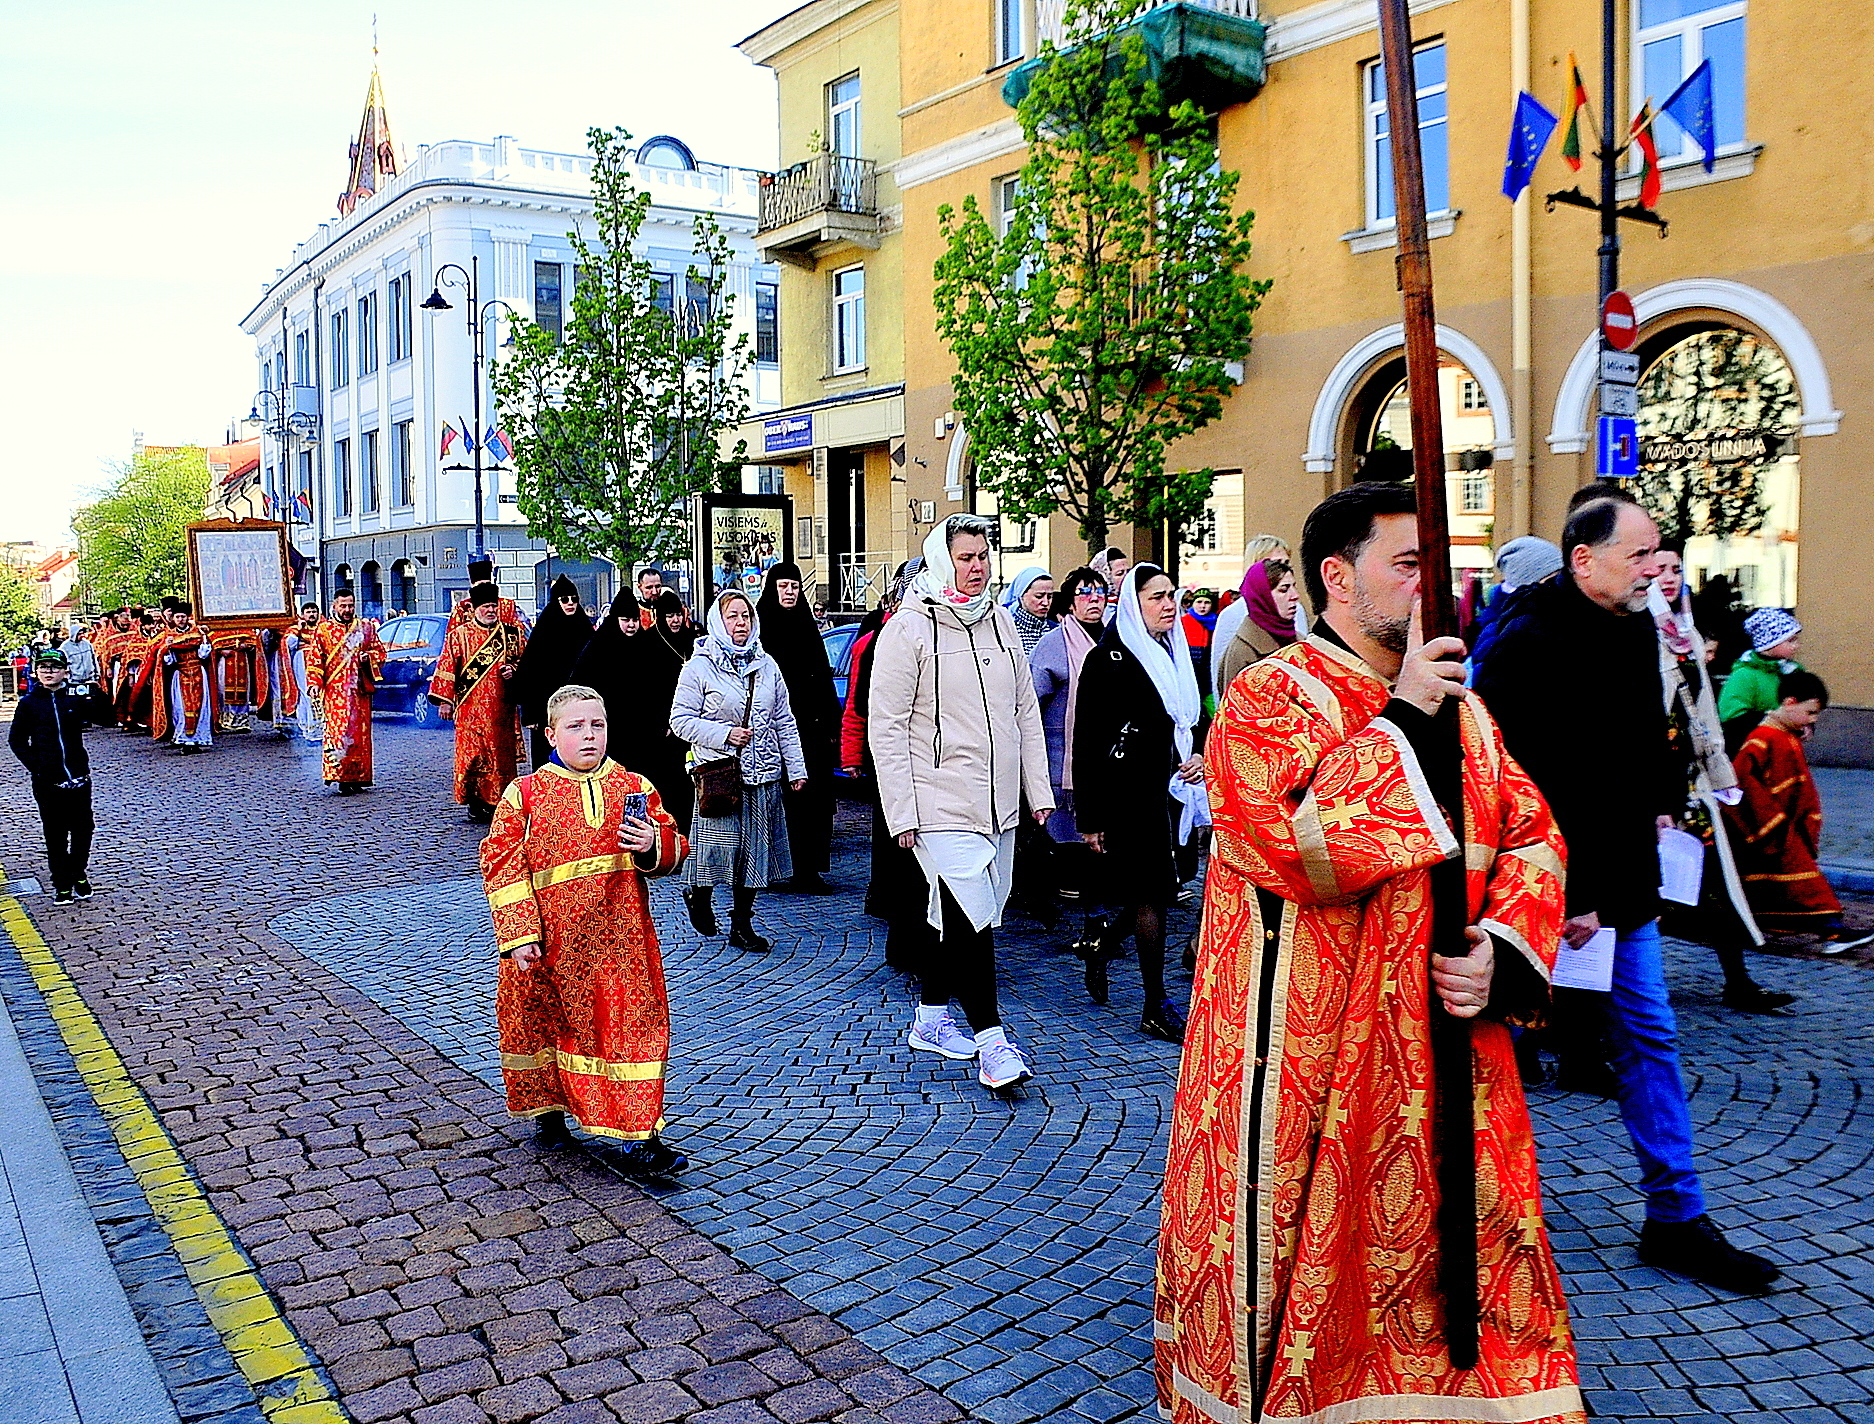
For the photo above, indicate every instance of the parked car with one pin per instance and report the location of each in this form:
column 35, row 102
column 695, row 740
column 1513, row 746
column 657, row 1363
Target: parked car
column 412, row 646
column 839, row 643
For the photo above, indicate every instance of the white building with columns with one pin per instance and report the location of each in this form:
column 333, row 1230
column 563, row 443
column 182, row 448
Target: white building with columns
column 357, row 381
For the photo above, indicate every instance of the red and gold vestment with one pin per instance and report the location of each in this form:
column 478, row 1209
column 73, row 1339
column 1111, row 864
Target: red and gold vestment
column 240, row 668
column 1778, row 828
column 508, row 610
column 193, row 685
column 343, row 661
column 1298, row 1262
column 469, row 677
column 586, row 1031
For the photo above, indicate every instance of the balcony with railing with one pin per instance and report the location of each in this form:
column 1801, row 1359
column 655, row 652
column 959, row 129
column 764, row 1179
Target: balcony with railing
column 1207, row 51
column 828, row 201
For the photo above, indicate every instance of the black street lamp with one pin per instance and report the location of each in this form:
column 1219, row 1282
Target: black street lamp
column 453, row 274
column 269, row 416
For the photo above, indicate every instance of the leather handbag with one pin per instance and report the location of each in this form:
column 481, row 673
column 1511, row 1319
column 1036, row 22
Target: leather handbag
column 719, row 782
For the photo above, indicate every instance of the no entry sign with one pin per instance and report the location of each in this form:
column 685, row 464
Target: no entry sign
column 1618, row 323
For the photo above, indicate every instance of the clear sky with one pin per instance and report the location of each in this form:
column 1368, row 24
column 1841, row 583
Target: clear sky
column 166, row 158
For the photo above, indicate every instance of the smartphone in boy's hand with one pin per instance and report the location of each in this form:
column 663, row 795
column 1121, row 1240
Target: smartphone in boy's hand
column 637, row 806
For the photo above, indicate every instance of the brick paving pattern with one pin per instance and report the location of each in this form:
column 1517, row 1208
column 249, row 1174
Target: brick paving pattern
column 862, row 1223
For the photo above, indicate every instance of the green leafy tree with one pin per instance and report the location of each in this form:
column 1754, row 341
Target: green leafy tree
column 1102, row 325
column 132, row 547
column 616, row 421
column 19, row 614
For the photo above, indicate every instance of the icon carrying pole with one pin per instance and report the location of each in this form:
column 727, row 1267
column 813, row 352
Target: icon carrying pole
column 1455, row 1124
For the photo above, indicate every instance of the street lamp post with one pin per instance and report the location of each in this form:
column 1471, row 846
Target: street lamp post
column 269, row 415
column 453, row 274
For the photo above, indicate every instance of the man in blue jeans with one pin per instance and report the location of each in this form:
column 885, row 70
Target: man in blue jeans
column 1572, row 677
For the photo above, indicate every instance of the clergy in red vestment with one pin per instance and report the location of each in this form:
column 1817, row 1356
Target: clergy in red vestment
column 584, row 1021
column 474, row 685
column 344, row 657
column 1777, row 827
column 240, row 677
column 1299, row 1255
column 135, row 679
column 182, row 697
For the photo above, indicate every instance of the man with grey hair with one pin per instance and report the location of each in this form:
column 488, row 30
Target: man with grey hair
column 955, row 734
column 1572, row 677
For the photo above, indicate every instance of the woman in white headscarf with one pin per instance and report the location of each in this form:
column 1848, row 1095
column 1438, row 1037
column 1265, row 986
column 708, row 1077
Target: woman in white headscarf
column 731, row 702
column 1139, row 779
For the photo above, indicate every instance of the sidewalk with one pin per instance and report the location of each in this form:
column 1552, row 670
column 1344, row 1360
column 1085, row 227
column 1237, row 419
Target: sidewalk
column 70, row 1350
column 1847, row 827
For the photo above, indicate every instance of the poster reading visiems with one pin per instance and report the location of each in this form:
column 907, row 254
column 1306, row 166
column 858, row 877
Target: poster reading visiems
column 741, row 537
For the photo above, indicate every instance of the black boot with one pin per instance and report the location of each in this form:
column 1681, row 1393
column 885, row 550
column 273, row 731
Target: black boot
column 742, row 924
column 1091, row 947
column 702, row 912
column 1698, row 1250
column 551, row 1132
column 1162, row 1020
column 1751, row 998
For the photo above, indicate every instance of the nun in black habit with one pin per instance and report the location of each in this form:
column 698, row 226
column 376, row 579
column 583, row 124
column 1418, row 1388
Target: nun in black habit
column 790, row 636
column 625, row 663
column 548, row 660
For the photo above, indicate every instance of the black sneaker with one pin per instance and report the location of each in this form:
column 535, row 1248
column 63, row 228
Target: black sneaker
column 61, row 897
column 82, row 889
column 1697, row 1250
column 652, row 1157
column 1755, row 999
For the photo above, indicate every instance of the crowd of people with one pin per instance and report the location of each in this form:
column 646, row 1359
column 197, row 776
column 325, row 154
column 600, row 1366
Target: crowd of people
column 1080, row 744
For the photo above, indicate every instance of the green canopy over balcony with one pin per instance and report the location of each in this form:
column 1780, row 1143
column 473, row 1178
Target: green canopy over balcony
column 1192, row 51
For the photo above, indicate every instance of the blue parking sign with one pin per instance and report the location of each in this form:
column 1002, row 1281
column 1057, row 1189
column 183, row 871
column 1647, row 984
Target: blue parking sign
column 1616, row 447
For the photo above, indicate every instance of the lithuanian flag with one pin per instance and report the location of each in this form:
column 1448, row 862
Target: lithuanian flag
column 1576, row 107
column 1642, row 136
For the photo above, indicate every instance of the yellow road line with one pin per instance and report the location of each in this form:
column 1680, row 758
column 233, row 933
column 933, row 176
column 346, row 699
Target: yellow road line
column 265, row 1347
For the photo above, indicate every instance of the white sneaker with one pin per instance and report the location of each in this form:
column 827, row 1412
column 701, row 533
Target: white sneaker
column 942, row 1036
column 1000, row 1064
column 1842, row 946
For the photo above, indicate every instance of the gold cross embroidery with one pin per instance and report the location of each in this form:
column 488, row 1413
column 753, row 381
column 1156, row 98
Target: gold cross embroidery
column 1388, row 986
column 1220, row 1242
column 1338, row 818
column 1300, row 1352
column 1483, row 1099
column 1415, row 1113
column 1334, row 1116
column 1529, row 1224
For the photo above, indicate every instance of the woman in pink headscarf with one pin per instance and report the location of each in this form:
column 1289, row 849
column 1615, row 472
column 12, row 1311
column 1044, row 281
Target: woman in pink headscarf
column 1269, row 599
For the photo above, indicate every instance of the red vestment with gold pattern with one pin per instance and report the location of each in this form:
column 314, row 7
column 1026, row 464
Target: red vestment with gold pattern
column 1298, row 1261
column 1778, row 829
column 586, row 1031
column 193, row 684
column 240, row 669
column 343, row 661
column 469, row 677
column 508, row 610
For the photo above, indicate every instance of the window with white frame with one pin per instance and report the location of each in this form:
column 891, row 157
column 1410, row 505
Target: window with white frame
column 341, row 351
column 367, row 473
column 1011, row 30
column 1428, row 68
column 767, row 322
column 341, row 479
column 1474, row 493
column 397, row 329
column 1673, row 38
column 1007, row 195
column 842, row 116
column 367, row 333
column 849, row 319
column 1471, row 395
column 402, row 469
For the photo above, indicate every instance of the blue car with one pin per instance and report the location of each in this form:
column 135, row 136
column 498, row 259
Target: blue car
column 839, row 642
column 412, row 646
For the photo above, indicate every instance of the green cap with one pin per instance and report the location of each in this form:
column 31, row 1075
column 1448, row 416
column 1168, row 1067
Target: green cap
column 55, row 656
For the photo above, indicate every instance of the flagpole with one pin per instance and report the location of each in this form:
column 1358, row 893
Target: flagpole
column 1454, row 1133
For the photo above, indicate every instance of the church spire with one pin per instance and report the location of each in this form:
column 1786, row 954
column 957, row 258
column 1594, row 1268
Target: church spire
column 373, row 155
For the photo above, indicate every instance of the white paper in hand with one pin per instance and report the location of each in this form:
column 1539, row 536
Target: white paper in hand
column 1681, row 866
column 1590, row 967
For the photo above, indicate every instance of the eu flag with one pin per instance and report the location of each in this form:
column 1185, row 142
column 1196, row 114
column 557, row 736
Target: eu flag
column 1691, row 105
column 1530, row 132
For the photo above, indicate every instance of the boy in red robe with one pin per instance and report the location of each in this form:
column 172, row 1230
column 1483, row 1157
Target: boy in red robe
column 584, row 1020
column 473, row 687
column 1778, row 824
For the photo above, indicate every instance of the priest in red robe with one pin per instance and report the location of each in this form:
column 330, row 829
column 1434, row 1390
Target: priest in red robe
column 1299, row 1256
column 182, row 696
column 584, row 1020
column 344, row 658
column 474, row 685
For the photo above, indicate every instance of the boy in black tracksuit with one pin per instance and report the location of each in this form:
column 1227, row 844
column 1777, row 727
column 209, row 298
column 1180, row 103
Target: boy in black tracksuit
column 48, row 736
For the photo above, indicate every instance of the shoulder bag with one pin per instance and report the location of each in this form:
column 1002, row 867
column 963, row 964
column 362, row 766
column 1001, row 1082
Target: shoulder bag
column 719, row 782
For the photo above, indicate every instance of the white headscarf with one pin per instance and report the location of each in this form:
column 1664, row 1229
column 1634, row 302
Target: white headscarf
column 1167, row 661
column 723, row 650
column 936, row 582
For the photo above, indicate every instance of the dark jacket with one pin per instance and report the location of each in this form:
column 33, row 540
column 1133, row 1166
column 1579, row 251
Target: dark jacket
column 1576, row 691
column 48, row 736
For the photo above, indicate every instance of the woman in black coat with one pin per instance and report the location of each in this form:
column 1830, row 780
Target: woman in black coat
column 791, row 637
column 1138, row 779
column 631, row 668
column 548, row 660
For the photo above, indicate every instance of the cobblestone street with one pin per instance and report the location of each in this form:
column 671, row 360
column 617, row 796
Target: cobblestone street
column 301, row 986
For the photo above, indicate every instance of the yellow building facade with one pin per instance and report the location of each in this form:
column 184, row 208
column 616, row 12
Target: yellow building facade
column 1750, row 310
column 831, row 218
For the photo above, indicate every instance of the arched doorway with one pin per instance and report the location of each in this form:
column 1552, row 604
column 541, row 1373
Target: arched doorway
column 1720, row 410
column 371, row 590
column 341, row 580
column 403, row 586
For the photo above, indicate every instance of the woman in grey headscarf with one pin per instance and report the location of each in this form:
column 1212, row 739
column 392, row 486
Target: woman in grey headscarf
column 731, row 702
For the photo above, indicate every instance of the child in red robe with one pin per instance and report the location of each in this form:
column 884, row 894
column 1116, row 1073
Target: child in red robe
column 584, row 1020
column 1778, row 824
